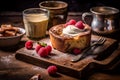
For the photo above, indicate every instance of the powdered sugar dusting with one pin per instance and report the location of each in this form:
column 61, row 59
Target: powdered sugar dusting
column 6, row 59
column 59, row 55
column 35, row 68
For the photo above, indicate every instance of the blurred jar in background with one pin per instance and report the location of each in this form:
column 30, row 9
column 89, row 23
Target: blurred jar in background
column 58, row 11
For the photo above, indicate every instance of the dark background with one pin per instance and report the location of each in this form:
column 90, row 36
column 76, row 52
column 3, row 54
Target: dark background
column 74, row 5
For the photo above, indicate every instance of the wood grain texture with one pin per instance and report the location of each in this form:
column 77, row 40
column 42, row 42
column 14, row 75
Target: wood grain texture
column 62, row 60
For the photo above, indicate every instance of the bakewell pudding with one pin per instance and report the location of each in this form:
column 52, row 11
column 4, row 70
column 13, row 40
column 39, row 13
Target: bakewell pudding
column 66, row 37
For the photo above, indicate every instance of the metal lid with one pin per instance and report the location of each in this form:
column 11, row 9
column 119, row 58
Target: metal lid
column 104, row 10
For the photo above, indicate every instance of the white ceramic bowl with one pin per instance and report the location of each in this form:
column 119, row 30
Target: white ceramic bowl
column 11, row 41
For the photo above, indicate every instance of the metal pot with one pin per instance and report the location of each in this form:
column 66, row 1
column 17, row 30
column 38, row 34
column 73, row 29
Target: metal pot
column 105, row 19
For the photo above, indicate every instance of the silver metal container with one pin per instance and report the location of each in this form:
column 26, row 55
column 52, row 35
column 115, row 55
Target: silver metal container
column 105, row 20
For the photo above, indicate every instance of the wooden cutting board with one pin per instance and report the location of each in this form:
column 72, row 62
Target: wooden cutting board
column 62, row 60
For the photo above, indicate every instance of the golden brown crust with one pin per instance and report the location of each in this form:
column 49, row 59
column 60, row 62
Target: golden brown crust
column 7, row 30
column 63, row 42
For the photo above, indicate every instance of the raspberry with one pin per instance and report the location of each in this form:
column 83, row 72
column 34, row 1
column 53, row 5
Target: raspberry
column 71, row 22
column 43, row 52
column 79, row 25
column 52, row 70
column 29, row 44
column 76, row 51
column 37, row 48
column 49, row 48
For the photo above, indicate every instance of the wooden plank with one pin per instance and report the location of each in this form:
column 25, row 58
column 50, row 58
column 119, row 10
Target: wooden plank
column 62, row 60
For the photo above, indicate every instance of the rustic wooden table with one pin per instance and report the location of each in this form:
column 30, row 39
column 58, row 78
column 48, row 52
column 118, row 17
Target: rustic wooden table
column 13, row 69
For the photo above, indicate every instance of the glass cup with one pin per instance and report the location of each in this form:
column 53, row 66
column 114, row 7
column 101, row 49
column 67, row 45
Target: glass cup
column 35, row 22
column 58, row 11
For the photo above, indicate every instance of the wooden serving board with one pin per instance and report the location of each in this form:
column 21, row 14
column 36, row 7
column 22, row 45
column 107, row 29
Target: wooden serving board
column 62, row 60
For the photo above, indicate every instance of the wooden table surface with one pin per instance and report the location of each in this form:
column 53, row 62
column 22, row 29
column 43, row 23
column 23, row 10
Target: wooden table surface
column 12, row 69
